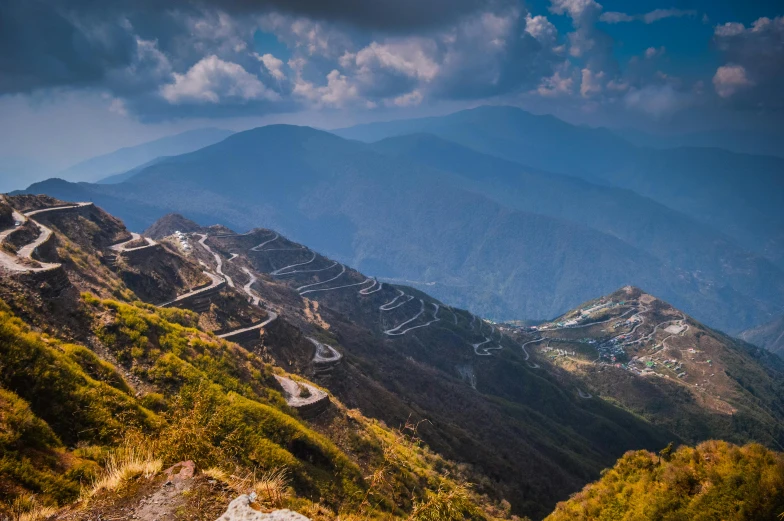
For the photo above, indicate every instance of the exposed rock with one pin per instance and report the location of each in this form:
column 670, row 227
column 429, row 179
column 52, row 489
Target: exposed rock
column 241, row 509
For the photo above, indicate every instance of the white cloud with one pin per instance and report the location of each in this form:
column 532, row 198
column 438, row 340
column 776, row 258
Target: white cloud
column 581, row 42
column 212, row 80
column 729, row 29
column 592, row 83
column 273, row 65
column 414, row 58
column 408, row 99
column 305, row 35
column 729, row 79
column 578, row 10
column 753, row 61
column 653, row 52
column 556, row 85
column 615, row 17
column 483, row 54
column 338, row 92
column 540, row 28
column 656, row 100
column 218, row 33
column 661, row 14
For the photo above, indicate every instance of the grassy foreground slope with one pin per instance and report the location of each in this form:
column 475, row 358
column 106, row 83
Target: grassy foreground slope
column 715, row 480
column 67, row 417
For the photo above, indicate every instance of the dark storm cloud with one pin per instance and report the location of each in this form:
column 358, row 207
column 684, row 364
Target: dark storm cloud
column 42, row 47
column 385, row 15
column 51, row 43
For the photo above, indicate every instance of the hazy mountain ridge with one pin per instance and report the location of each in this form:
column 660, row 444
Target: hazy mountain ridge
column 119, row 161
column 397, row 217
column 709, row 184
column 769, row 336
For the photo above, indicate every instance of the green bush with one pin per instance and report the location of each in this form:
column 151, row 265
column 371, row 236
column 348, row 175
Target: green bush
column 715, row 480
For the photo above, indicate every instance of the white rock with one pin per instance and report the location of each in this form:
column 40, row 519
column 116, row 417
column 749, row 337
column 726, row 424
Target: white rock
column 240, row 510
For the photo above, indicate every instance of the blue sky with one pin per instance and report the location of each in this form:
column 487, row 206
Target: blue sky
column 80, row 77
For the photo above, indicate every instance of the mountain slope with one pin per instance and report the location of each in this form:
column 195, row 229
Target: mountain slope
column 695, row 250
column 769, row 336
column 640, row 352
column 398, row 218
column 119, row 161
column 98, row 395
column 393, row 353
column 710, row 185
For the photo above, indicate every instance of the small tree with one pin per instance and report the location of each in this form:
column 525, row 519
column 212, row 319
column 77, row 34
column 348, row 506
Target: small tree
column 666, row 452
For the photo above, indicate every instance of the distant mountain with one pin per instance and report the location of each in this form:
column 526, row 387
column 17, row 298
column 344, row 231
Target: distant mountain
column 770, row 336
column 743, row 142
column 123, row 176
column 741, row 195
column 124, row 159
column 693, row 249
column 448, row 226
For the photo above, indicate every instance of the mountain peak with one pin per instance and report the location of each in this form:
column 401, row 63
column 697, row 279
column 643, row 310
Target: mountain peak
column 170, row 223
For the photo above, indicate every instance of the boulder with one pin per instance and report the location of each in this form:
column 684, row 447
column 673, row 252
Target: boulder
column 241, row 509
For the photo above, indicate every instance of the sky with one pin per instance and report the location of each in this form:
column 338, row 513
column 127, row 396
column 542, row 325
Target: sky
column 84, row 77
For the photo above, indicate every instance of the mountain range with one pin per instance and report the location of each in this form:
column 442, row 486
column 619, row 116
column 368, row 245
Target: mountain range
column 100, row 167
column 462, row 218
column 770, row 335
column 711, row 185
column 183, row 333
column 137, row 324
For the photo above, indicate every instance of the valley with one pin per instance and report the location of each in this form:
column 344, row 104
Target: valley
column 568, row 396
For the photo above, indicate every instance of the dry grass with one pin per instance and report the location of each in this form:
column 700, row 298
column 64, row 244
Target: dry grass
column 27, row 508
column 271, row 487
column 446, row 505
column 125, row 464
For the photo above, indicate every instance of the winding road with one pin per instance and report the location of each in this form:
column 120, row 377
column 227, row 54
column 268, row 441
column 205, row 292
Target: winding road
column 258, row 247
column 373, row 288
column 336, row 287
column 395, row 331
column 584, row 395
column 478, row 347
column 215, row 281
column 590, row 324
column 218, row 259
column 389, row 307
column 292, row 392
column 122, row 246
column 247, row 287
column 325, row 353
column 532, row 365
column 26, row 252
column 342, row 271
column 272, row 316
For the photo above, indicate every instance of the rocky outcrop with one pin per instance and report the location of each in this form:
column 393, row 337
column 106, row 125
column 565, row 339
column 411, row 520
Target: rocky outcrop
column 50, row 284
column 170, row 223
column 242, row 509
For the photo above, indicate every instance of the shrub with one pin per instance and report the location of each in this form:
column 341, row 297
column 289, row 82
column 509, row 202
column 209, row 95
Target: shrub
column 124, row 464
